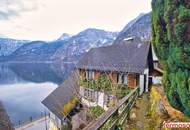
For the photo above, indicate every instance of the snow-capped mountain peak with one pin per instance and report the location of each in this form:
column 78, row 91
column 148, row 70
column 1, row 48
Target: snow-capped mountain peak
column 65, row 36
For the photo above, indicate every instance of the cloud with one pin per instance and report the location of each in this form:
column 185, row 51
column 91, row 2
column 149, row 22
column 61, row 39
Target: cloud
column 47, row 19
column 3, row 36
column 15, row 8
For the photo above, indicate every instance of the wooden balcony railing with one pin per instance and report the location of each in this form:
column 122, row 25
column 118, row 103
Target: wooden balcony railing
column 115, row 116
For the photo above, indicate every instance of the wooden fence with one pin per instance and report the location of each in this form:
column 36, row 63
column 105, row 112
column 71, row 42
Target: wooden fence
column 115, row 116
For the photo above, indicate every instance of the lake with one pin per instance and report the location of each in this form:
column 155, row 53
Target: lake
column 24, row 86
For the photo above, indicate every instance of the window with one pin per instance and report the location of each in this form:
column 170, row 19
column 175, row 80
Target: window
column 89, row 75
column 122, row 79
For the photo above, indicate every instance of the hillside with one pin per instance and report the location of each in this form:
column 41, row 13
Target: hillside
column 83, row 42
column 36, row 51
column 139, row 28
column 66, row 47
column 8, row 46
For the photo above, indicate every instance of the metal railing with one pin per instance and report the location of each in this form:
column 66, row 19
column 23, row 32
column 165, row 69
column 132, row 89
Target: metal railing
column 30, row 120
column 115, row 116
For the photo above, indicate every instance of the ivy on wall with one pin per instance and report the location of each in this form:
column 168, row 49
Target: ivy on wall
column 103, row 83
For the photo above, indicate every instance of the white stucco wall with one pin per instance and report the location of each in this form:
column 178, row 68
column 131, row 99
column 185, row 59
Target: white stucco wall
column 142, row 81
column 141, row 84
column 146, row 72
column 54, row 122
column 52, row 126
column 99, row 102
column 101, row 99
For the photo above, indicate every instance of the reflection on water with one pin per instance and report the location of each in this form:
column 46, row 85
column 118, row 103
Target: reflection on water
column 24, row 86
column 23, row 100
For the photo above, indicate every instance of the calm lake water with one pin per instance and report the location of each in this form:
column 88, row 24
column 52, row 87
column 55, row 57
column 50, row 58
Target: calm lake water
column 24, row 86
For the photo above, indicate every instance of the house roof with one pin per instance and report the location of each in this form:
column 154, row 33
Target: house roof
column 62, row 95
column 5, row 123
column 123, row 57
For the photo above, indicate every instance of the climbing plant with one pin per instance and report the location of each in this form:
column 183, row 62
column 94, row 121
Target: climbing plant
column 102, row 83
column 171, row 41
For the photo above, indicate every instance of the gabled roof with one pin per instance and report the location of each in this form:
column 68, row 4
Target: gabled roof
column 124, row 57
column 62, row 95
column 5, row 123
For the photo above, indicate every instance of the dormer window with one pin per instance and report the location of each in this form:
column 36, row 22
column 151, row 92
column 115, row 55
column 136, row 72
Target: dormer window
column 89, row 75
column 122, row 78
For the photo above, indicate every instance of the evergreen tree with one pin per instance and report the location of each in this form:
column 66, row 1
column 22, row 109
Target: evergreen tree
column 171, row 40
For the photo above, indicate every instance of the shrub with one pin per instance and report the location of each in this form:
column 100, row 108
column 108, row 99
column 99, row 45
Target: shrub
column 96, row 111
column 122, row 91
column 171, row 41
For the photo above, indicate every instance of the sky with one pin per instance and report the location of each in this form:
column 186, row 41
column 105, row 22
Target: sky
column 49, row 19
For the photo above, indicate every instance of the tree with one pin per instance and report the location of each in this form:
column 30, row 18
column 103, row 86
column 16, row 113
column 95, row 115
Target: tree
column 171, row 41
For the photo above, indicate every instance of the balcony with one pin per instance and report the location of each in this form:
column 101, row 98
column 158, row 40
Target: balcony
column 104, row 85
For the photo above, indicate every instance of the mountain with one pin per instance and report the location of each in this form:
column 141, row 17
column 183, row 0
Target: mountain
column 139, row 28
column 66, row 47
column 8, row 46
column 65, row 36
column 71, row 48
column 83, row 42
column 36, row 51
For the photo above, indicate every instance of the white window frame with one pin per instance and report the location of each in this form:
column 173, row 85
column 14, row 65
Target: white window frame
column 123, row 78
